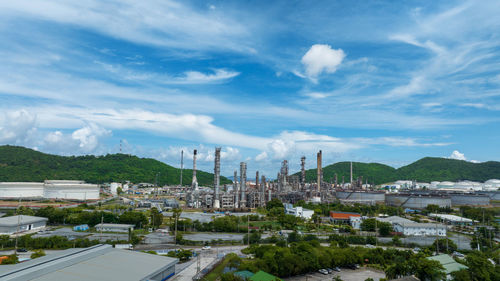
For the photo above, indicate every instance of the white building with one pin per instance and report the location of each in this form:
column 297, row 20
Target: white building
column 50, row 189
column 298, row 211
column 452, row 219
column 420, row 229
column 21, row 223
column 114, row 227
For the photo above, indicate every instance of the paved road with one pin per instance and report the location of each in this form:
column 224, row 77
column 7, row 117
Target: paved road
column 345, row 274
column 186, row 272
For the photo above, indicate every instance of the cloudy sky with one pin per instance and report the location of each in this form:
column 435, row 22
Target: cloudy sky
column 369, row 81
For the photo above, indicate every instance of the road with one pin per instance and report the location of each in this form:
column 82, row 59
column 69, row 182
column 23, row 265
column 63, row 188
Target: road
column 186, row 273
column 345, row 274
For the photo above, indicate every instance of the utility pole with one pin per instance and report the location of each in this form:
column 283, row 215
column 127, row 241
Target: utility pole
column 182, row 166
column 248, row 230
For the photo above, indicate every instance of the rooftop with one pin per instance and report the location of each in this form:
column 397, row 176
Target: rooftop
column 115, row 225
column 264, row 276
column 100, row 262
column 449, row 264
column 21, row 219
column 451, row 218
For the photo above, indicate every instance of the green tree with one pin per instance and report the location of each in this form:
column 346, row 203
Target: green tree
column 384, row 228
column 480, row 267
column 274, row 203
column 429, row 270
column 445, row 245
column 156, row 218
column 37, row 254
column 368, row 224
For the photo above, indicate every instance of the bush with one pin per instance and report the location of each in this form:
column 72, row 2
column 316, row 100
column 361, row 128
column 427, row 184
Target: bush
column 37, row 254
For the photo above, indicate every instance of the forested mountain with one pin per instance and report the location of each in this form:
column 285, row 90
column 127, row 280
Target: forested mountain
column 424, row 170
column 23, row 164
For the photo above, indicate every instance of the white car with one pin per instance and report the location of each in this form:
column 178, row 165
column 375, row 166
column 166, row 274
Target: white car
column 206, row 247
column 323, row 271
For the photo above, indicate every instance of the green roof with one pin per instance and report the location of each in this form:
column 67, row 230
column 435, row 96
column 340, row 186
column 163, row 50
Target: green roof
column 449, row 264
column 245, row 274
column 264, row 276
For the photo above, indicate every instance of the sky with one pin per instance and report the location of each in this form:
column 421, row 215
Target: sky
column 369, row 81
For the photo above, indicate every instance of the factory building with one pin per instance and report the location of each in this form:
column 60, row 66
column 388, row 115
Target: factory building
column 420, row 229
column 417, row 201
column 100, row 262
column 114, row 227
column 452, row 219
column 50, row 189
column 298, row 211
column 21, row 223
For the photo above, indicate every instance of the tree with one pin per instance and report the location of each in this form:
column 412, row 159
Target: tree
column 443, row 248
column 461, row 275
column 11, row 259
column 480, row 268
column 368, row 225
column 254, row 238
column 275, row 202
column 396, row 241
column 119, row 190
column 429, row 270
column 156, row 218
column 384, row 228
column 37, row 254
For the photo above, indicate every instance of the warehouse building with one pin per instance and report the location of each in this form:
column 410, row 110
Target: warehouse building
column 420, row 229
column 452, row 219
column 298, row 211
column 100, row 262
column 114, row 227
column 50, row 189
column 21, row 223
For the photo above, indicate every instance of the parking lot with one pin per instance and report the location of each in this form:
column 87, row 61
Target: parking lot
column 345, row 274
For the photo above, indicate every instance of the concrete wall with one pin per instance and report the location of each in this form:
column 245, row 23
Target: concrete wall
column 469, row 200
column 71, row 191
column 361, row 196
column 416, row 202
column 21, row 189
column 22, row 227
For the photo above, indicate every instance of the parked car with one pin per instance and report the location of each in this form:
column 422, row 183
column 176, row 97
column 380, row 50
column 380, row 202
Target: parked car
column 330, row 271
column 206, row 247
column 22, row 250
column 336, row 269
column 369, row 246
column 323, row 271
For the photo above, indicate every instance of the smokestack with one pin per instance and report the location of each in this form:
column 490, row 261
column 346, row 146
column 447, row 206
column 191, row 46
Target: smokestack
column 262, row 190
column 303, row 171
column 182, row 166
column 236, row 190
column 257, row 180
column 319, row 170
column 243, row 183
column 194, row 184
column 216, row 177
column 351, row 174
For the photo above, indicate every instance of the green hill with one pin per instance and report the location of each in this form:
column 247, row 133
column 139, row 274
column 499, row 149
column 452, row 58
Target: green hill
column 424, row 170
column 442, row 169
column 373, row 172
column 23, row 164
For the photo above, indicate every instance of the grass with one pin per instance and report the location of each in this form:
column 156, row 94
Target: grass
column 219, row 269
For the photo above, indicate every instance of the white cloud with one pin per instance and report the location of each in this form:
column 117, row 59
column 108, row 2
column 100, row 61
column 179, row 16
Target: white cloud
column 457, row 155
column 196, row 77
column 261, row 156
column 159, row 23
column 88, row 137
column 322, row 58
column 16, row 126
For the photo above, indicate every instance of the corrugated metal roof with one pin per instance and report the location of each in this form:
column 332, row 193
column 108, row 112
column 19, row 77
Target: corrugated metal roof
column 449, row 264
column 100, row 262
column 21, row 219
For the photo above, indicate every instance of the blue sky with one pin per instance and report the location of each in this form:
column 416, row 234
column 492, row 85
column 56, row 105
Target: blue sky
column 371, row 81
